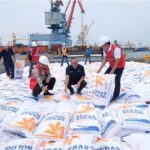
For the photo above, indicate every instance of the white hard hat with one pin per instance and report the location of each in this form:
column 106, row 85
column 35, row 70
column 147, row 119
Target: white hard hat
column 88, row 46
column 34, row 44
column 63, row 44
column 4, row 44
column 44, row 60
column 103, row 40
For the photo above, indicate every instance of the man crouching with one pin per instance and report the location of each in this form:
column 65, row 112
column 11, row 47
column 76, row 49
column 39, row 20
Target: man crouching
column 75, row 75
column 41, row 79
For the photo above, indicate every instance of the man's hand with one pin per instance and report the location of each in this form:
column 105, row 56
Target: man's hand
column 44, row 88
column 78, row 84
column 111, row 72
column 65, row 90
column 47, row 81
column 99, row 70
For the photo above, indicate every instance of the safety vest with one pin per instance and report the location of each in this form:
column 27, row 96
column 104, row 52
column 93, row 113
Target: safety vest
column 64, row 51
column 33, row 79
column 35, row 54
column 110, row 57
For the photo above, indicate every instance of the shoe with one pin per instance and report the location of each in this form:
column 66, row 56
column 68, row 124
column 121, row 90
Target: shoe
column 35, row 97
column 48, row 93
column 147, row 102
column 113, row 100
column 79, row 92
column 71, row 92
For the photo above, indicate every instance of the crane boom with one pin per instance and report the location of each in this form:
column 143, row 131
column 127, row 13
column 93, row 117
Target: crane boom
column 72, row 11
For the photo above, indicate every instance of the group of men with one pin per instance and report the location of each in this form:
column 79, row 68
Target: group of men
column 41, row 79
column 40, row 75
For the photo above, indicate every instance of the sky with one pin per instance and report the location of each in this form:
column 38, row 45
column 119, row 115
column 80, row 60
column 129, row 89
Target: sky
column 121, row 20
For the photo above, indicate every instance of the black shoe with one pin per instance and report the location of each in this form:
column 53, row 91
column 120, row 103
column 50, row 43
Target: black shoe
column 35, row 97
column 48, row 93
column 113, row 100
column 71, row 92
column 79, row 92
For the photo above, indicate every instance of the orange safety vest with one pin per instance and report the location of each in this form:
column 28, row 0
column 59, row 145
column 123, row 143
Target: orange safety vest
column 64, row 51
column 33, row 80
column 35, row 54
column 110, row 57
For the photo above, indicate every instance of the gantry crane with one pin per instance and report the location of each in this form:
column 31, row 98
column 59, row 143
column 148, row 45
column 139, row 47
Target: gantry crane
column 58, row 23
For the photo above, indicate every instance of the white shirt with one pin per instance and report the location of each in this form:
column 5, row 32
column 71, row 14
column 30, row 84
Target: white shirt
column 117, row 52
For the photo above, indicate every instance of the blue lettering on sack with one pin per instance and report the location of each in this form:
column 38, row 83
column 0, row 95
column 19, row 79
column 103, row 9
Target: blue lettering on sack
column 110, row 148
column 132, row 111
column 80, row 117
column 61, row 118
column 35, row 114
column 13, row 109
column 20, row 147
column 100, row 94
column 78, row 147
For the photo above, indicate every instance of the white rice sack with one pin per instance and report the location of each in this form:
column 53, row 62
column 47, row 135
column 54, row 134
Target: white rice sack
column 19, row 67
column 138, row 141
column 21, row 144
column 5, row 94
column 1, row 145
column 104, row 89
column 54, row 126
column 47, row 107
column 62, row 97
column 85, row 107
column 80, row 119
column 129, row 97
column 47, row 98
column 28, row 105
column 50, row 145
column 69, row 107
column 125, row 132
column 8, row 108
column 80, row 98
column 7, row 136
column 135, row 117
column 79, row 142
column 111, row 124
column 107, row 144
column 23, row 123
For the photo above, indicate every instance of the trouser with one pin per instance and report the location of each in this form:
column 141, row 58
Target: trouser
column 63, row 58
column 31, row 67
column 118, row 72
column 83, row 84
column 88, row 57
column 9, row 68
column 37, row 90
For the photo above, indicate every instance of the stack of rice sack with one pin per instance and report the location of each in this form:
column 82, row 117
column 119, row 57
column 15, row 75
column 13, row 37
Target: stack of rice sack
column 125, row 119
column 63, row 122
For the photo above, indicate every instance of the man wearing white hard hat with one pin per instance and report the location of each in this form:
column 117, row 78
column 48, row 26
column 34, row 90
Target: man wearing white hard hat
column 64, row 53
column 9, row 59
column 41, row 79
column 33, row 56
column 114, row 55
